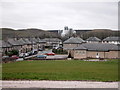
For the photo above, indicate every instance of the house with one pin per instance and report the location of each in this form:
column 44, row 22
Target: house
column 15, row 44
column 24, row 47
column 34, row 44
column 96, row 50
column 72, row 43
column 5, row 47
column 93, row 40
column 53, row 42
column 29, row 44
column 41, row 43
column 112, row 40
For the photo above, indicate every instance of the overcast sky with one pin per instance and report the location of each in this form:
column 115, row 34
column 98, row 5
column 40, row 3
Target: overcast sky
column 56, row 15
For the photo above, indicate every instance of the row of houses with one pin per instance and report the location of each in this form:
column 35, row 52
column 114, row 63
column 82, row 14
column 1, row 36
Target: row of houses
column 110, row 40
column 78, row 48
column 92, row 47
column 25, row 45
column 76, row 41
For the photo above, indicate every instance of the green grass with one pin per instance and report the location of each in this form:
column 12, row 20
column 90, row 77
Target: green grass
column 61, row 70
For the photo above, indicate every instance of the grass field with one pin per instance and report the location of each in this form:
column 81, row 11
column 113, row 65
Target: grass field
column 61, row 70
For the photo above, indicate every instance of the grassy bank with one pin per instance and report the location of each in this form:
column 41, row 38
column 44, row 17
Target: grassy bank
column 61, row 70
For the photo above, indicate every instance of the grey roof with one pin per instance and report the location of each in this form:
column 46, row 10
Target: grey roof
column 112, row 39
column 68, row 48
column 35, row 40
column 52, row 39
column 32, row 40
column 27, row 40
column 40, row 40
column 21, row 41
column 98, row 47
column 74, row 40
column 93, row 39
column 81, row 47
column 4, row 44
column 13, row 42
column 80, row 39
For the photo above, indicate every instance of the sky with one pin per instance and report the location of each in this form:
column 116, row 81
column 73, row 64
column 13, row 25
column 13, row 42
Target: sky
column 56, row 15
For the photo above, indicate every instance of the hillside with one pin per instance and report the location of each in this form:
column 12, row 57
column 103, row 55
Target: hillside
column 100, row 33
column 32, row 32
column 10, row 33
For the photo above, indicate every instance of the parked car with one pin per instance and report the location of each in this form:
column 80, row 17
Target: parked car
column 34, row 52
column 21, row 55
column 55, row 47
column 29, row 53
column 41, row 56
column 4, row 57
column 40, row 49
column 51, row 53
column 14, row 57
column 26, row 54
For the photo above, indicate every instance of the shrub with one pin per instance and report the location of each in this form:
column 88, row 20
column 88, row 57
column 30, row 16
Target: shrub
column 12, row 52
column 59, row 51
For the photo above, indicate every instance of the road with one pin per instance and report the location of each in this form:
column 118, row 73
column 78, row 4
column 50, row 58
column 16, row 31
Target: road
column 58, row 84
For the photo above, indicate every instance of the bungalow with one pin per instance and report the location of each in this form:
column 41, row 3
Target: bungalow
column 112, row 40
column 72, row 43
column 93, row 40
column 96, row 50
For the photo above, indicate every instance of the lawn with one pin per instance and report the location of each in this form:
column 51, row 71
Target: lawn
column 61, row 70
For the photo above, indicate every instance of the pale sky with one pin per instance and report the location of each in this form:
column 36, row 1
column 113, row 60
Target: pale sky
column 56, row 15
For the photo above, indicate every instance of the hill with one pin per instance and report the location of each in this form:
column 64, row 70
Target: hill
column 32, row 32
column 100, row 33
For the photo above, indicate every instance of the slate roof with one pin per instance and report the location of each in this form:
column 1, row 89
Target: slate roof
column 74, row 40
column 40, row 40
column 93, row 39
column 97, row 47
column 32, row 40
column 27, row 40
column 21, row 41
column 13, row 42
column 112, row 39
column 81, row 47
column 4, row 44
column 52, row 40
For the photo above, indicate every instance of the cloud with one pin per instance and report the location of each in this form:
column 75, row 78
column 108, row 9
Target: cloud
column 56, row 15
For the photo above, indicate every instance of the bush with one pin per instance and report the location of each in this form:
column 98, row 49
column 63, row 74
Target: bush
column 12, row 52
column 59, row 51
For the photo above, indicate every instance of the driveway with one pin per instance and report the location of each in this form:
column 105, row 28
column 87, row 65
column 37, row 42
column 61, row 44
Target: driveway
column 48, row 57
column 52, row 57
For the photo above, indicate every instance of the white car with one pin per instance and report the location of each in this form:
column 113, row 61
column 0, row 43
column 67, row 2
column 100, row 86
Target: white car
column 21, row 55
column 26, row 54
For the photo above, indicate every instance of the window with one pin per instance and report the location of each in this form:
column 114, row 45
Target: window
column 80, row 52
column 77, row 52
column 83, row 52
column 97, row 53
